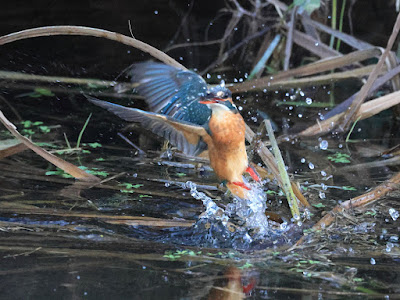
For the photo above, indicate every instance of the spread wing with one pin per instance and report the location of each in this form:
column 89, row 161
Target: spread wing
column 171, row 91
column 188, row 138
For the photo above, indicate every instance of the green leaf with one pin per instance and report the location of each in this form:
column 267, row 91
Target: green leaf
column 44, row 92
column 319, row 205
column 94, row 145
column 44, row 129
column 349, row 188
column 246, row 266
column 307, row 5
column 145, row 196
column 340, row 158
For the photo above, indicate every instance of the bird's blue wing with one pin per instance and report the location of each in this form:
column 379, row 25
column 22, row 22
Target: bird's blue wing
column 187, row 137
column 171, row 91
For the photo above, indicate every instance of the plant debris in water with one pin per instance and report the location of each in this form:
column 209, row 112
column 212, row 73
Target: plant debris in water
column 147, row 215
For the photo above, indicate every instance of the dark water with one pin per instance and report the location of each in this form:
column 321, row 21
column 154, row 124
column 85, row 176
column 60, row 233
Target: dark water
column 63, row 240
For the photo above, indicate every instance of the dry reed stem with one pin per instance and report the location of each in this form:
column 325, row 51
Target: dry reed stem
column 359, row 201
column 12, row 150
column 62, row 164
column 351, row 115
column 88, row 31
column 310, row 69
column 120, row 220
column 367, row 110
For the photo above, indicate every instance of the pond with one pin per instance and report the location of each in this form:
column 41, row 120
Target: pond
column 142, row 232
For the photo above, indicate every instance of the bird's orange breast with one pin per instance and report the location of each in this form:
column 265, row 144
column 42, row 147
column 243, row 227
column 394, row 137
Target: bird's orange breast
column 227, row 149
column 227, row 129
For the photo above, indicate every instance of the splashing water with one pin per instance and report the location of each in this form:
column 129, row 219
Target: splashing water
column 252, row 210
column 216, row 226
column 212, row 209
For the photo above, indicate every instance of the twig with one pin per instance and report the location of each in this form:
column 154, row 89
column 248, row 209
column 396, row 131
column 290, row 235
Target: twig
column 141, row 152
column 12, row 150
column 243, row 42
column 367, row 110
column 289, row 39
column 313, row 68
column 88, row 31
column 349, row 116
column 11, row 107
column 59, row 79
column 359, row 201
column 377, row 84
column 62, row 164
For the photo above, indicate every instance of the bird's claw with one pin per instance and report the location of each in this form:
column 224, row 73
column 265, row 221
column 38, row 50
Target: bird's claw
column 253, row 174
column 241, row 184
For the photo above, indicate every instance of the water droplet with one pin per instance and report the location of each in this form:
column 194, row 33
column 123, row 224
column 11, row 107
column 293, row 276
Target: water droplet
column 303, row 160
column 208, row 76
column 302, row 94
column 308, row 101
column 323, row 145
column 311, row 165
column 394, row 214
column 389, row 247
column 300, row 115
column 156, row 12
column 317, row 44
column 323, row 173
column 322, row 195
column 372, row 260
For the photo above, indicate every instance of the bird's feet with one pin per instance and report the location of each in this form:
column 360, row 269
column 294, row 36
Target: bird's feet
column 253, row 174
column 241, row 184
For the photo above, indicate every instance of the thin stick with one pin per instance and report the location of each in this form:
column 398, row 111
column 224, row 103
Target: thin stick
column 62, row 164
column 349, row 116
column 359, row 201
column 141, row 152
column 88, row 31
column 289, row 39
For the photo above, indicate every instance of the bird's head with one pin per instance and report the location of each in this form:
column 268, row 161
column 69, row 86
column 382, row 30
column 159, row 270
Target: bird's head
column 219, row 97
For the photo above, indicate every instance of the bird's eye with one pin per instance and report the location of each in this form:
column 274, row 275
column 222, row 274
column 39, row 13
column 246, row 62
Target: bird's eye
column 220, row 94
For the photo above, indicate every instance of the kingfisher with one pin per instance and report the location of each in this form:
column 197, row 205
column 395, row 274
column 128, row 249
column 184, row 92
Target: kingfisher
column 193, row 117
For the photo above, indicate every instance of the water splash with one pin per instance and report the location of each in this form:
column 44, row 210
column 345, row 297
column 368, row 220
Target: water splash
column 243, row 224
column 212, row 209
column 252, row 210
